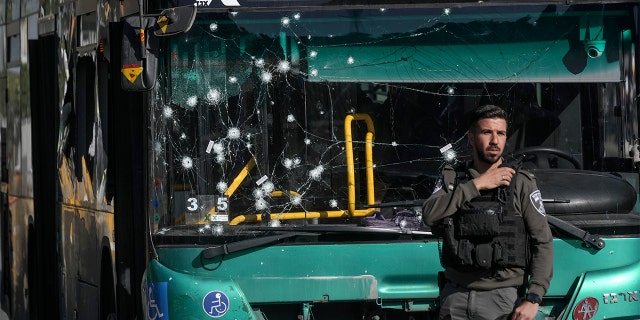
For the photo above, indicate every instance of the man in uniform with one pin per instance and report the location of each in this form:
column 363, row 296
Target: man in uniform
column 497, row 245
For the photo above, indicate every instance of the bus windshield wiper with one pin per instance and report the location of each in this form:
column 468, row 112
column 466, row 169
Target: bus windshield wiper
column 593, row 240
column 212, row 252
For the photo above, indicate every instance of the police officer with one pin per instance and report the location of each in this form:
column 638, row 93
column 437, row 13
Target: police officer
column 497, row 245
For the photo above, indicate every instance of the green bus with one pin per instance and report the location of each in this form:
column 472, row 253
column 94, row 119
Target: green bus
column 243, row 159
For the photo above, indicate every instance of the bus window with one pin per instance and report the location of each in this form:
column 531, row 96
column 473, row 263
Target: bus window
column 271, row 116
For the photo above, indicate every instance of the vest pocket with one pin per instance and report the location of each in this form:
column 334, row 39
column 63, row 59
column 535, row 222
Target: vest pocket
column 465, row 252
column 478, row 222
column 484, row 255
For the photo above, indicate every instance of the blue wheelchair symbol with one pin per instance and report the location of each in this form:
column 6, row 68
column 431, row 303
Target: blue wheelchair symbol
column 157, row 308
column 215, row 304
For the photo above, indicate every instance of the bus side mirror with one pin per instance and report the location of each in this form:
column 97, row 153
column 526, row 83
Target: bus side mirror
column 140, row 45
column 175, row 21
column 139, row 54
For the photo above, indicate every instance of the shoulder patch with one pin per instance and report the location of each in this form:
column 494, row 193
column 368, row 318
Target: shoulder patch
column 438, row 186
column 536, row 202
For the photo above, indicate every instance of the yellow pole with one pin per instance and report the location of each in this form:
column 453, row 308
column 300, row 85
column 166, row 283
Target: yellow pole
column 351, row 184
column 351, row 180
column 240, row 177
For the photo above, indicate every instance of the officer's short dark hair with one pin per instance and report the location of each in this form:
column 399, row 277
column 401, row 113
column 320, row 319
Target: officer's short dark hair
column 487, row 111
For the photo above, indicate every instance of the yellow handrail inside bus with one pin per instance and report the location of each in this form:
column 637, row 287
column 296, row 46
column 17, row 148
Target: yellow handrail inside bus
column 240, row 177
column 351, row 180
column 294, row 216
column 243, row 175
column 277, row 193
column 352, row 211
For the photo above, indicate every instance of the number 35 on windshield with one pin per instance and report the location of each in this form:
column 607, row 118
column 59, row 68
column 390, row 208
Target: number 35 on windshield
column 208, row 208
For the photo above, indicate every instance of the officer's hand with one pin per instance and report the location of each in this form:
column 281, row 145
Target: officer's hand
column 525, row 311
column 494, row 178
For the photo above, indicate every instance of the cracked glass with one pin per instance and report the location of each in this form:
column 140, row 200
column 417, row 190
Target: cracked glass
column 285, row 118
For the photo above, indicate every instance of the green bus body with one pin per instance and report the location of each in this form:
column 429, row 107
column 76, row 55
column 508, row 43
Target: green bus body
column 245, row 159
column 290, row 150
column 283, row 75
column 399, row 275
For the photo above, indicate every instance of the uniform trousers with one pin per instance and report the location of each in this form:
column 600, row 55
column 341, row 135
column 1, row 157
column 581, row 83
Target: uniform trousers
column 458, row 303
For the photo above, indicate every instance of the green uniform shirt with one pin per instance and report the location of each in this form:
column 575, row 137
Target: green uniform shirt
column 448, row 199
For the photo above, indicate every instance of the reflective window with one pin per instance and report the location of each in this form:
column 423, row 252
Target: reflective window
column 318, row 116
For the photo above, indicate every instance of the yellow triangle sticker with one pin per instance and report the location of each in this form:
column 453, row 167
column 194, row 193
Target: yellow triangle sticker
column 131, row 72
column 163, row 22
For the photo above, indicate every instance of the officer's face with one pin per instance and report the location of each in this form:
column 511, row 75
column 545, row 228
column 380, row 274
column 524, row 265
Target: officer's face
column 488, row 139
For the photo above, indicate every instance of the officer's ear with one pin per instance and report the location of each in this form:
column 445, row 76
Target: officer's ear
column 471, row 137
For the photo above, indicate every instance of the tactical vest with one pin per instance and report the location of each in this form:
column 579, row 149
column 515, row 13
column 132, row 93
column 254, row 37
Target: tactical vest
column 484, row 234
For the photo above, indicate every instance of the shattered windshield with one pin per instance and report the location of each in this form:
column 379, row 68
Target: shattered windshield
column 312, row 117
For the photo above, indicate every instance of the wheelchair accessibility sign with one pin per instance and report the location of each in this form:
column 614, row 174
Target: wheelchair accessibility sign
column 157, row 307
column 215, row 304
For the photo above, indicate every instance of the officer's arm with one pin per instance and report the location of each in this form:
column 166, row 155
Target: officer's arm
column 447, row 200
column 541, row 268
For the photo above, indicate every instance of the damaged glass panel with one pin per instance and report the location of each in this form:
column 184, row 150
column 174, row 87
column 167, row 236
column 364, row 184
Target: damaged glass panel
column 305, row 117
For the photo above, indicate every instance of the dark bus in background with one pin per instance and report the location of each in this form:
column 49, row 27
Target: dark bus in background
column 267, row 159
column 58, row 177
